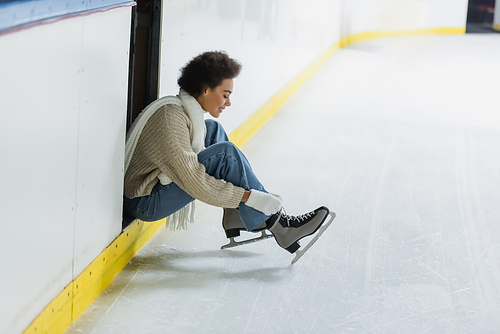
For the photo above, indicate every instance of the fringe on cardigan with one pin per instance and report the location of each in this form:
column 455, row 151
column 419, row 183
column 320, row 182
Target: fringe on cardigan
column 180, row 219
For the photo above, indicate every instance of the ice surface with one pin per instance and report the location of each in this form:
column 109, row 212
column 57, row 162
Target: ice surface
column 401, row 138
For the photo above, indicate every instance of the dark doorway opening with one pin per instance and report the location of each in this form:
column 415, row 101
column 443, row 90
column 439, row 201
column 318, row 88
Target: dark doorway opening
column 144, row 63
column 480, row 16
column 144, row 57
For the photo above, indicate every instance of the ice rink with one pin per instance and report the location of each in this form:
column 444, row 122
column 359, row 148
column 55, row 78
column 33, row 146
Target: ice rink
column 401, row 138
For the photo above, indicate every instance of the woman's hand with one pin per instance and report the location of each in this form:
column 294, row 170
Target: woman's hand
column 264, row 202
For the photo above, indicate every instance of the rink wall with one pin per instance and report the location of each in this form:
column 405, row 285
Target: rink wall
column 274, row 40
column 63, row 87
column 64, row 95
column 362, row 16
column 496, row 16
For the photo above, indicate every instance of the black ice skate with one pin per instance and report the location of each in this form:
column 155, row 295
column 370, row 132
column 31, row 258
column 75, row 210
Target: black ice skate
column 232, row 225
column 288, row 230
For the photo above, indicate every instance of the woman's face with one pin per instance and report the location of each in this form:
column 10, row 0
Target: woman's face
column 216, row 100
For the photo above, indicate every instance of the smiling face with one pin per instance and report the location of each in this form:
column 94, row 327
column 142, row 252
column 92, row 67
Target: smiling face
column 214, row 101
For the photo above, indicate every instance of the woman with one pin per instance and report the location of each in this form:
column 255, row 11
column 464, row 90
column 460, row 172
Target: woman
column 174, row 156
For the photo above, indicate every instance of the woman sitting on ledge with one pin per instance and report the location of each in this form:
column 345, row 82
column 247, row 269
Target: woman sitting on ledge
column 174, row 156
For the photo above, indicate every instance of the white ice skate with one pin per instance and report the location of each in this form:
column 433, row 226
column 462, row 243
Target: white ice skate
column 233, row 225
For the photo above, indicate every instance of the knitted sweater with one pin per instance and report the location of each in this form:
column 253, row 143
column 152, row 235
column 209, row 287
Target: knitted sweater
column 164, row 146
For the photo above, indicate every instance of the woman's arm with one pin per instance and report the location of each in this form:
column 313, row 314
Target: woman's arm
column 178, row 161
column 245, row 196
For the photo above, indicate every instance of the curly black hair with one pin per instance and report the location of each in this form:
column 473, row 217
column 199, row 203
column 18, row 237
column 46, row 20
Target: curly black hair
column 207, row 69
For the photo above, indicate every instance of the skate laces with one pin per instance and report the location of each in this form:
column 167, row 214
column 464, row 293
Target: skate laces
column 296, row 219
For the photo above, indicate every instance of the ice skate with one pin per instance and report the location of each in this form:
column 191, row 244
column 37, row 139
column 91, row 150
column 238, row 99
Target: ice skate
column 233, row 225
column 288, row 230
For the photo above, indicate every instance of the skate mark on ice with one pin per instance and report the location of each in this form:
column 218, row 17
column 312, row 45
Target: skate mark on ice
column 442, row 255
column 113, row 303
column 467, row 203
column 375, row 222
column 412, row 316
column 489, row 267
column 253, row 309
column 357, row 318
column 328, row 298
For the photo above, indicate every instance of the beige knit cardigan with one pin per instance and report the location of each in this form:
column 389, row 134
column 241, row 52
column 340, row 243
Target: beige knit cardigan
column 165, row 147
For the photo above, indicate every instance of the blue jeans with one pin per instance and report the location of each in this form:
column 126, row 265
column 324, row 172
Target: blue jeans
column 222, row 160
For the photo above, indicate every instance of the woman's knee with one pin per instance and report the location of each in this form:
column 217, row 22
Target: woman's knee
column 211, row 125
column 223, row 152
column 215, row 132
column 228, row 147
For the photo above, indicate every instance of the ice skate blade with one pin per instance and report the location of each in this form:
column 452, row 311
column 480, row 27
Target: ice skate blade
column 302, row 251
column 234, row 243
